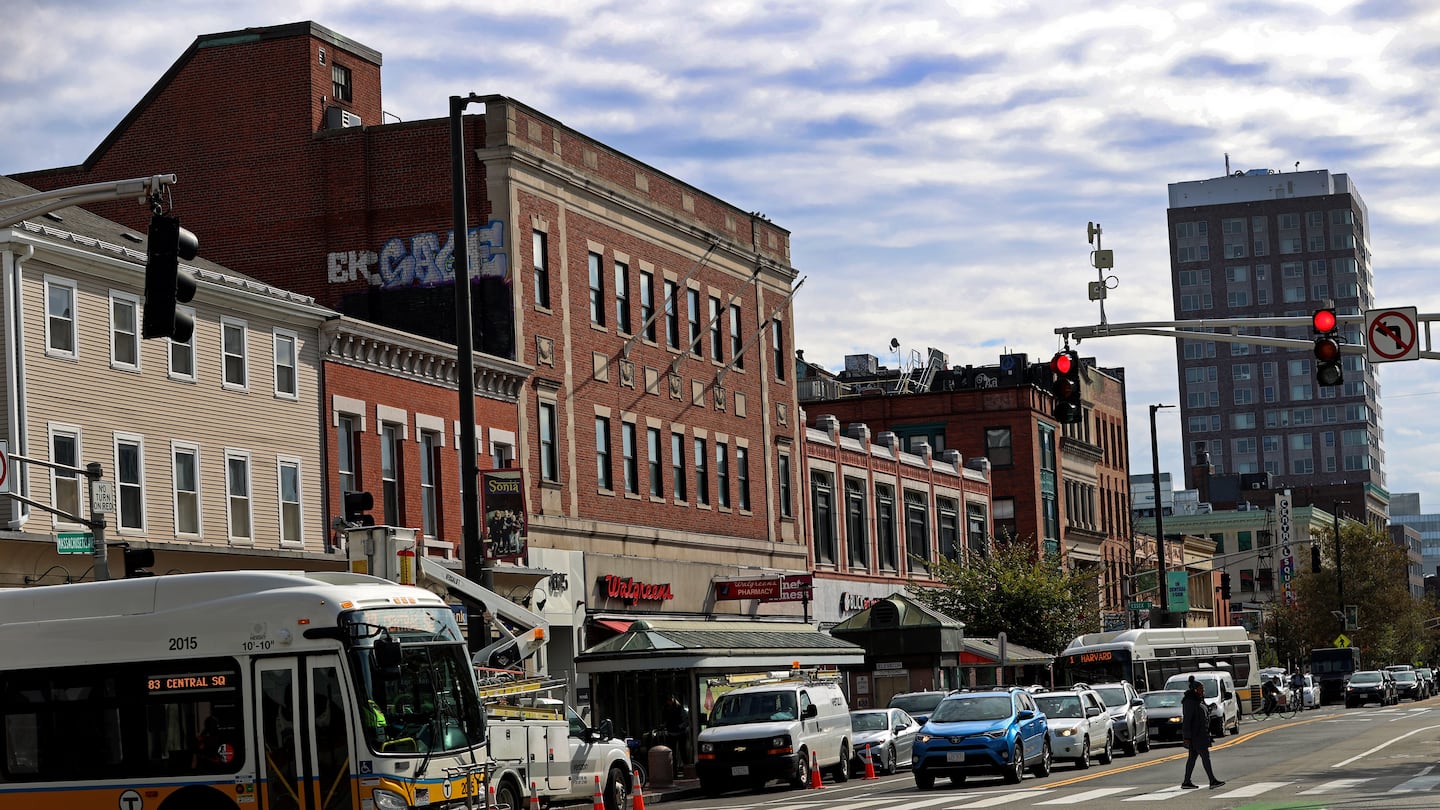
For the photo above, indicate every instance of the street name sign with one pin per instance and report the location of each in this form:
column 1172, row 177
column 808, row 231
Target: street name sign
column 75, row 542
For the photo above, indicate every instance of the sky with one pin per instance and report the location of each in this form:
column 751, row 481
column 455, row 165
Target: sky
column 937, row 163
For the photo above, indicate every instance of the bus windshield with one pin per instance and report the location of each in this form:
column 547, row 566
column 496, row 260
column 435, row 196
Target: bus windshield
column 414, row 683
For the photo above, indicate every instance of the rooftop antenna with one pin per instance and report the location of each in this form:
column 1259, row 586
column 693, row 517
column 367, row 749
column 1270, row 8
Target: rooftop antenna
column 1101, row 260
column 1227, row 164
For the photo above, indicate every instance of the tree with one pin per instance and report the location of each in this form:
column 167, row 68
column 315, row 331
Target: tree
column 1391, row 621
column 1015, row 589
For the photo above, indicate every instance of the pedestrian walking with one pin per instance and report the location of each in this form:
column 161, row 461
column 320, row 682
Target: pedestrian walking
column 1195, row 734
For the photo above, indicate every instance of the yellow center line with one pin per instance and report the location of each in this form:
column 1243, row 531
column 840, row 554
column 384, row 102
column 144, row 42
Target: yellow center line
column 1174, row 757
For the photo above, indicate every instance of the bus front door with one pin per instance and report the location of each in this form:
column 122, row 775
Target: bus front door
column 304, row 734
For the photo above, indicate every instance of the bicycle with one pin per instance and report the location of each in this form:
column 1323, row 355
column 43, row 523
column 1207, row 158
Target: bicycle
column 1287, row 705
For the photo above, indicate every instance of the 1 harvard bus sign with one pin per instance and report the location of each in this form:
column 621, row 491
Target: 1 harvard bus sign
column 502, row 495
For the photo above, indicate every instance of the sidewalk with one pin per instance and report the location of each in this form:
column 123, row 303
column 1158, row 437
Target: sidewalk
column 680, row 790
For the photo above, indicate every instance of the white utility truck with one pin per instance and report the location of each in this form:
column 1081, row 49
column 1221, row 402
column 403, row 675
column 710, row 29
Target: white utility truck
column 537, row 743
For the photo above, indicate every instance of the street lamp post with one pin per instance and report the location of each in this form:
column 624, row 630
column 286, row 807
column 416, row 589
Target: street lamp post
column 1159, row 520
column 1339, row 576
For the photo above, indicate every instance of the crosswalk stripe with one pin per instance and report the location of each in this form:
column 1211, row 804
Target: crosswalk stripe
column 1416, row 784
column 1089, row 795
column 1247, row 791
column 1333, row 785
column 1157, row 796
column 996, row 801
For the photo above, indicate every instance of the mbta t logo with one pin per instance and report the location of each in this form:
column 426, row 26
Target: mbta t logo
column 1065, row 386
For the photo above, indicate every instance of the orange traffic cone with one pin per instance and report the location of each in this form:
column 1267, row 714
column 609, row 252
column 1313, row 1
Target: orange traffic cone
column 534, row 797
column 638, row 799
column 869, row 764
column 815, row 780
column 598, row 803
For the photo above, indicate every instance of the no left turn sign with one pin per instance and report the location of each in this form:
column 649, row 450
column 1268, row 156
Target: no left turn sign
column 4, row 467
column 1390, row 334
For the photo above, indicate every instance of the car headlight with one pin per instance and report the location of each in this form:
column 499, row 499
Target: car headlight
column 388, row 800
column 779, row 742
column 996, row 734
column 1067, row 732
column 925, row 738
column 707, row 748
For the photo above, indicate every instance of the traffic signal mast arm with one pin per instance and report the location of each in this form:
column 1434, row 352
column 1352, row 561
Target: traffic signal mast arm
column 141, row 188
column 1194, row 330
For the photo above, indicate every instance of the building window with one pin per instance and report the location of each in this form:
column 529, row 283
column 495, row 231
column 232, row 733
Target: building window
column 429, row 484
column 291, row 518
column 1004, row 516
column 657, row 481
column 777, row 342
column 742, row 477
column 722, row 474
column 124, row 331
column 917, row 531
column 287, row 384
column 822, row 496
column 602, row 453
column 717, row 340
column 976, row 537
column 702, row 473
column 998, row 448
column 347, row 451
column 787, row 508
column 390, row 454
column 647, row 305
column 64, row 484
column 129, row 483
column 947, row 522
column 549, row 458
column 857, row 536
column 672, row 315
column 232, row 350
column 630, row 465
column 182, row 355
column 185, row 473
column 737, row 338
column 237, row 495
column 622, row 298
column 502, row 454
column 59, row 317
column 677, row 464
column 540, row 256
column 597, row 291
column 885, row 536
column 692, row 311
column 340, row 88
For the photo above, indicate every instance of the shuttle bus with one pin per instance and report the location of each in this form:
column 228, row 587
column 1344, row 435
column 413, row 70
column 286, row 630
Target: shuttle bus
column 279, row 690
column 1147, row 657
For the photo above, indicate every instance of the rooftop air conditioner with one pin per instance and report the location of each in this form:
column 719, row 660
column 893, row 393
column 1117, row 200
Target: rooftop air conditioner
column 336, row 118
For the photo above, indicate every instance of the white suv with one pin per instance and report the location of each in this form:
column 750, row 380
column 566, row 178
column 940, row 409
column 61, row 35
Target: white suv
column 1079, row 725
column 1128, row 713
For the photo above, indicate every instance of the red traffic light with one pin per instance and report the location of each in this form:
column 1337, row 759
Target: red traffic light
column 1327, row 349
column 1061, row 363
column 1324, row 320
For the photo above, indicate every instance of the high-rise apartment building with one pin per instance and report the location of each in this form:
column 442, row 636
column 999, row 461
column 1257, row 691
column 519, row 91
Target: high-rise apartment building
column 1257, row 244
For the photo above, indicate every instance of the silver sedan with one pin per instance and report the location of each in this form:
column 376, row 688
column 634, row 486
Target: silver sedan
column 888, row 734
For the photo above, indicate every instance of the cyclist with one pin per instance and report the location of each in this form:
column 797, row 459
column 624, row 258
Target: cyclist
column 1270, row 690
column 1297, row 687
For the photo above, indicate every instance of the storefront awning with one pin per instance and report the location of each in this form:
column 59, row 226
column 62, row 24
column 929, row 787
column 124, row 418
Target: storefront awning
column 618, row 625
column 698, row 644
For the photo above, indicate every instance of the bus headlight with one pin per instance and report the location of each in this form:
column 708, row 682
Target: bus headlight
column 388, row 800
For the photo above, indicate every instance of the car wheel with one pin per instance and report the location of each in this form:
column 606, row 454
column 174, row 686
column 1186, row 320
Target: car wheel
column 924, row 781
column 890, row 764
column 1131, row 747
column 1106, row 755
column 617, row 794
column 1084, row 760
column 1016, row 772
column 1145, row 742
column 802, row 772
column 1046, row 760
column 842, row 771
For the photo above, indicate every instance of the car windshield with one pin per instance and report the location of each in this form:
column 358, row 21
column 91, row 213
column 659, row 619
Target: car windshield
column 1112, row 695
column 869, row 721
column 753, row 707
column 1365, row 677
column 1212, row 687
column 1167, row 699
column 920, row 703
column 978, row 707
column 1060, row 706
column 1408, row 677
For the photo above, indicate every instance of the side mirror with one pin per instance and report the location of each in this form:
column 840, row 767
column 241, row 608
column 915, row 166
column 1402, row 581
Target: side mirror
column 810, row 711
column 1093, row 712
column 1138, row 701
column 607, row 729
column 1025, row 714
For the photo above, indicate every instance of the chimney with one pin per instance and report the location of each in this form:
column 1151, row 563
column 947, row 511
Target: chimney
column 1201, row 472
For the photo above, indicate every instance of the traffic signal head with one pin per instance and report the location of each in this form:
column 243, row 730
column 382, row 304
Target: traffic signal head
column 165, row 284
column 138, row 561
column 1328, row 370
column 1225, row 586
column 357, row 507
column 1065, row 386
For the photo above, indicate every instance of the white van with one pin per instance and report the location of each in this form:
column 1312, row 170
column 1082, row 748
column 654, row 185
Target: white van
column 776, row 730
column 1219, row 693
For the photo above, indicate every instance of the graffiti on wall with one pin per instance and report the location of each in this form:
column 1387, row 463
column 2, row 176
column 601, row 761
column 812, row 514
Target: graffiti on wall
column 423, row 260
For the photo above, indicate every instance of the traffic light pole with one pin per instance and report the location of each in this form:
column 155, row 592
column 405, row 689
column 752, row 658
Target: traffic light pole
column 140, row 187
column 1159, row 521
column 96, row 524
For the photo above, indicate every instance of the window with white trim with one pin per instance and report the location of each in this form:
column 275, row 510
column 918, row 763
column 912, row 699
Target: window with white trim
column 287, row 383
column 182, row 355
column 64, row 484
column 59, row 317
column 429, row 488
column 347, row 451
column 291, row 514
column 390, row 458
column 238, row 503
column 235, row 372
column 185, row 480
column 129, row 482
column 124, row 331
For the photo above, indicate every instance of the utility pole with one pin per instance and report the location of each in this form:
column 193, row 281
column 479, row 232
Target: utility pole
column 1339, row 575
column 1159, row 520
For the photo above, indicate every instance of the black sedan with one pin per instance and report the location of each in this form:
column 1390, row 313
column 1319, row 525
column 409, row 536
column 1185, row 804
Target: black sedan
column 1407, row 685
column 1163, row 713
column 1369, row 686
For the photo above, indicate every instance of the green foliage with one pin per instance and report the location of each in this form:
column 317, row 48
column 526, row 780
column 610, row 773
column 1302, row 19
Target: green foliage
column 1373, row 567
column 1016, row 590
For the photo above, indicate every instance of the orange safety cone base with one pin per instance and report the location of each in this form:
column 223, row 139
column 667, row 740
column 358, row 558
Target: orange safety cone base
column 815, row 780
column 638, row 797
column 599, row 800
column 534, row 797
column 869, row 764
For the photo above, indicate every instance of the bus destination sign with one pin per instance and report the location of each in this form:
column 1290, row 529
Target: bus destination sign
column 197, row 682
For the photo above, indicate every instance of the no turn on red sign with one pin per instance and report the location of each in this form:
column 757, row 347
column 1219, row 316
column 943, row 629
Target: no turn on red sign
column 1391, row 334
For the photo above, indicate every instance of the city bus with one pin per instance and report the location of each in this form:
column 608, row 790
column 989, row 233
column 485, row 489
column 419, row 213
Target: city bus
column 1147, row 657
column 280, row 690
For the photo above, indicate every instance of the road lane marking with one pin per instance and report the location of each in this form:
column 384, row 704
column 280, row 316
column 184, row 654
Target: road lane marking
column 1098, row 793
column 996, row 801
column 1157, row 796
column 1250, row 791
column 1416, row 784
column 1334, row 785
column 1385, row 744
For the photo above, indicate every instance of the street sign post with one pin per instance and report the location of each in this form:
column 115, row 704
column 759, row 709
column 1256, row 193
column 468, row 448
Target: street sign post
column 75, row 542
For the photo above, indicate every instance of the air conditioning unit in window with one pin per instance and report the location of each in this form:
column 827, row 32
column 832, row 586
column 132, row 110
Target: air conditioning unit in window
column 336, row 118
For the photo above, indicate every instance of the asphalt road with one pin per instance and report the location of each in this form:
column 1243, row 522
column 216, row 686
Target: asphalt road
column 1334, row 757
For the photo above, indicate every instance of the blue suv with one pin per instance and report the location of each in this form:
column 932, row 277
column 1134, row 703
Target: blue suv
column 992, row 731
